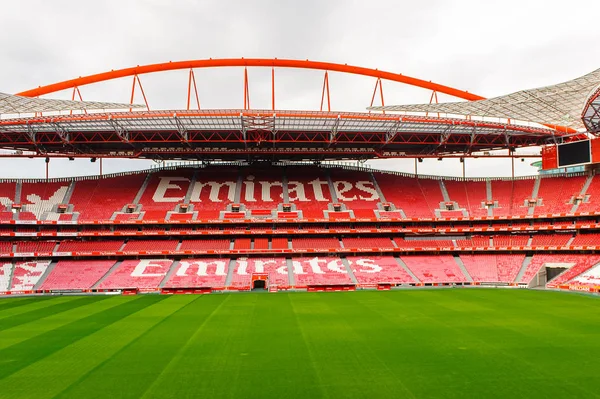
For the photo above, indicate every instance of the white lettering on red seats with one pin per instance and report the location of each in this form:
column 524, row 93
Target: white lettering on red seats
column 296, row 191
column 368, row 263
column 342, row 187
column 5, row 276
column 317, row 186
column 259, row 266
column 140, row 268
column 334, row 265
column 266, row 190
column 340, row 191
column 249, row 183
column 39, row 206
column 27, row 274
column 166, row 184
column 202, row 267
column 367, row 187
column 6, row 201
column 215, row 189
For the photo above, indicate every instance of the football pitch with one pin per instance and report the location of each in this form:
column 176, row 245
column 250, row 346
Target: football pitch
column 446, row 343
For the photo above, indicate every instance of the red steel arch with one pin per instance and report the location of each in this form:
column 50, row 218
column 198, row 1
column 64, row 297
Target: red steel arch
column 249, row 62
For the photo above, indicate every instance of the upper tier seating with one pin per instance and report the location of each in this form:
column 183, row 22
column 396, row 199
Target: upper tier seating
column 99, row 199
column 276, row 268
column 320, row 270
column 199, row 273
column 434, row 269
column 27, row 274
column 356, row 190
column 164, row 191
column 308, row 190
column 406, row 194
column 511, row 196
column 76, row 275
column 37, row 199
column 577, row 264
column 262, row 189
column 378, row 270
column 7, row 198
column 144, row 273
column 468, row 195
column 593, row 194
column 557, row 192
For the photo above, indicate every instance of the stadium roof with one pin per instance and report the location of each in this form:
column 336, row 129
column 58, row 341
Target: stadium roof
column 251, row 134
column 11, row 104
column 559, row 104
column 591, row 113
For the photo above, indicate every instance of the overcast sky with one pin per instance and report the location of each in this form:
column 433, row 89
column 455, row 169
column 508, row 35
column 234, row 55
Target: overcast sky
column 486, row 47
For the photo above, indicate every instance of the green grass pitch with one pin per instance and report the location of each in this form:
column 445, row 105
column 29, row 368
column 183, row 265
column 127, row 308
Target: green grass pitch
column 447, row 343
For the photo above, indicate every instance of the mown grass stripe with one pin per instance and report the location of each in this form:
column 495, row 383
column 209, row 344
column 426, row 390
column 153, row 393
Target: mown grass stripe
column 39, row 303
column 8, row 302
column 39, row 314
column 23, row 332
column 159, row 346
column 55, row 373
column 17, row 357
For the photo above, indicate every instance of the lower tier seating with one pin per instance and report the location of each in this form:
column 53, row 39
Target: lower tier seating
column 27, row 274
column 144, row 273
column 590, row 278
column 199, row 273
column 276, row 268
column 320, row 270
column 378, row 270
column 76, row 275
column 434, row 269
column 577, row 264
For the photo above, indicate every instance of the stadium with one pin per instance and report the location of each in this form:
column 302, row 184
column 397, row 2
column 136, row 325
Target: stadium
column 263, row 255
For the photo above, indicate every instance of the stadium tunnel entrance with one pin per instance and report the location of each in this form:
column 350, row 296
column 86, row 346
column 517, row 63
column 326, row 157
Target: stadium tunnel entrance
column 259, row 281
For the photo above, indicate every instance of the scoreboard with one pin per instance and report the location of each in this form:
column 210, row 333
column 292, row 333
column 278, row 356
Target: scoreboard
column 565, row 155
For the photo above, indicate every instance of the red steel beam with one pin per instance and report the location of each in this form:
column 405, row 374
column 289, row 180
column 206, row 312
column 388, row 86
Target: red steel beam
column 249, row 62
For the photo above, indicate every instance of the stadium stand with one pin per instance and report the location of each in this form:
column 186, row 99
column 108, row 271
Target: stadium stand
column 308, row 189
column 434, row 269
column 409, row 199
column 199, row 273
column 576, row 264
column 318, row 271
column 76, row 275
column 27, row 274
column 100, row 199
column 589, row 278
column 142, row 274
column 481, row 268
column 5, row 275
column 275, row 268
column 372, row 270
